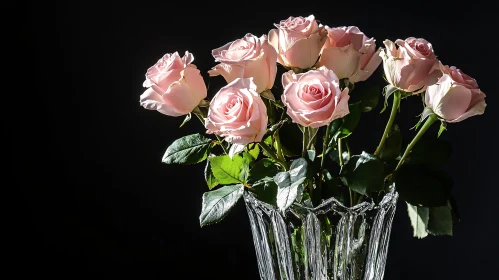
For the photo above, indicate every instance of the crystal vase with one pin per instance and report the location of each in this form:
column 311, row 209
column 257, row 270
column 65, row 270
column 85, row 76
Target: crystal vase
column 330, row 241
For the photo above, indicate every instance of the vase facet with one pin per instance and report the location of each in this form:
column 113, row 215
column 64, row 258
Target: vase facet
column 330, row 241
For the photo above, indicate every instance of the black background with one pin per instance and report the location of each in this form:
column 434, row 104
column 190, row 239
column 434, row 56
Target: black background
column 98, row 201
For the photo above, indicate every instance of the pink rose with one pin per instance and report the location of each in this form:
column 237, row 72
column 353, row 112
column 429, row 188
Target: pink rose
column 298, row 41
column 174, row 85
column 314, row 98
column 247, row 57
column 350, row 53
column 412, row 67
column 455, row 96
column 237, row 112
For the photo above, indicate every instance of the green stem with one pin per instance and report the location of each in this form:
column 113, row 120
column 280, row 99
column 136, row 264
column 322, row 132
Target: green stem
column 348, row 149
column 429, row 121
column 269, row 151
column 305, row 141
column 388, row 128
column 340, row 151
column 361, row 198
column 351, row 197
column 280, row 155
column 201, row 119
column 324, row 145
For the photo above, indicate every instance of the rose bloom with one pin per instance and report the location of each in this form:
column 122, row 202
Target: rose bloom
column 298, row 41
column 350, row 53
column 412, row 66
column 237, row 113
column 174, row 85
column 314, row 98
column 247, row 57
column 456, row 96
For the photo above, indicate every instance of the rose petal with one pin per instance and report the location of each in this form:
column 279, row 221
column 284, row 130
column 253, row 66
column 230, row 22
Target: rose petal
column 151, row 100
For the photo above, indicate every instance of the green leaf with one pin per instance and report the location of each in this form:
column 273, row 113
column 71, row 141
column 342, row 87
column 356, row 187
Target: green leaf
column 443, row 126
column 217, row 204
column 298, row 169
column 204, row 103
column 368, row 95
column 387, row 92
column 334, row 127
column 187, row 118
column 271, row 112
column 189, row 149
column 440, row 221
column 285, row 194
column 210, row 179
column 287, row 191
column 334, row 155
column 350, row 121
column 363, row 173
column 393, row 144
column 430, row 151
column 265, row 190
column 254, row 150
column 420, row 186
column 268, row 95
column 430, row 220
column 235, row 149
column 230, row 171
column 419, row 219
column 289, row 183
column 311, row 155
column 264, row 168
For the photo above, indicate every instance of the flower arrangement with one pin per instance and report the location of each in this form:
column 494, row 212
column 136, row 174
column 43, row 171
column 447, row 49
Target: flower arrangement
column 289, row 145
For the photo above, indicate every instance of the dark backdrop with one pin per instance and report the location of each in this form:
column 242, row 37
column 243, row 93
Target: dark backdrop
column 98, row 201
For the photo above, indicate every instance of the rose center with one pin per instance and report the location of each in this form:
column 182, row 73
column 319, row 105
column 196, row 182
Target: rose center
column 239, row 45
column 295, row 23
column 232, row 107
column 313, row 92
column 422, row 48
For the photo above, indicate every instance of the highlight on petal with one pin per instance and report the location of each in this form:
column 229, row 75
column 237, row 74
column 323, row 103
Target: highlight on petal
column 151, row 100
column 237, row 113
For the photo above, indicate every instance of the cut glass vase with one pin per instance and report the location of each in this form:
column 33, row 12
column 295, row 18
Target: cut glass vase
column 330, row 241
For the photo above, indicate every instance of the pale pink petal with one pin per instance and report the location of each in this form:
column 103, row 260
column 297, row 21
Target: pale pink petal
column 188, row 58
column 344, row 61
column 477, row 109
column 229, row 72
column 271, row 57
column 289, row 77
column 151, row 100
column 341, row 108
column 454, row 103
column 305, row 53
column 372, row 65
column 258, row 69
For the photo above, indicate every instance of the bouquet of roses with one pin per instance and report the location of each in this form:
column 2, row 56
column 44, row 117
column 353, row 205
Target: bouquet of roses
column 285, row 140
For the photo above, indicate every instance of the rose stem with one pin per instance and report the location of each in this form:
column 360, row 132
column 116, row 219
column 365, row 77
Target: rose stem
column 354, row 194
column 201, row 119
column 324, row 147
column 429, row 121
column 269, row 151
column 340, row 151
column 305, row 141
column 277, row 138
column 395, row 106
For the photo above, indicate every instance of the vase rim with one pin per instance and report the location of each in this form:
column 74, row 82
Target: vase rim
column 332, row 202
